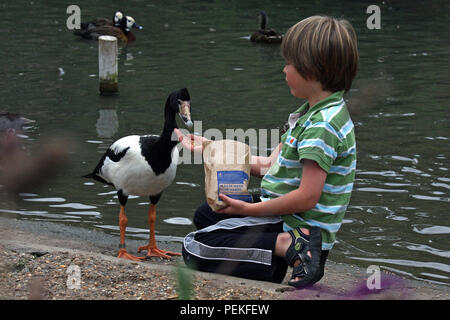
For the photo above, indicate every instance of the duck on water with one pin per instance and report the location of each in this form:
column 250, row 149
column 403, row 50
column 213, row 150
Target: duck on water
column 115, row 21
column 144, row 166
column 264, row 34
column 119, row 27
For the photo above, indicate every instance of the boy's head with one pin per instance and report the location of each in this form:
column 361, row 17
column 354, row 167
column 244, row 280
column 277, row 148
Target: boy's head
column 324, row 49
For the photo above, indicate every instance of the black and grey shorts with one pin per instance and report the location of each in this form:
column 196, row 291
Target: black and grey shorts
column 235, row 245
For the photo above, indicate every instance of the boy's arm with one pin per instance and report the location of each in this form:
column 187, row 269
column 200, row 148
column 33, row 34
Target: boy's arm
column 302, row 199
column 260, row 165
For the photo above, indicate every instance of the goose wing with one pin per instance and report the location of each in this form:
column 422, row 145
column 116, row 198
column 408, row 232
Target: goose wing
column 113, row 155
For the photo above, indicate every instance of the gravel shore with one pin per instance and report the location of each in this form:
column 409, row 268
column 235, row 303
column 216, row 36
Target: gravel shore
column 40, row 260
column 45, row 275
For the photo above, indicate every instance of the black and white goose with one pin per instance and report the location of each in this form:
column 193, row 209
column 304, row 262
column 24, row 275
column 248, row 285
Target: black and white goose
column 144, row 166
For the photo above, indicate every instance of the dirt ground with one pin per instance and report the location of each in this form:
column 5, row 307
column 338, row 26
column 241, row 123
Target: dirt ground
column 44, row 260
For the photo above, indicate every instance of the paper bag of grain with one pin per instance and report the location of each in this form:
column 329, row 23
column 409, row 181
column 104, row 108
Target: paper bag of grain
column 227, row 171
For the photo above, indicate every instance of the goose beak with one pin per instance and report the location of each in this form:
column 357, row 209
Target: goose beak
column 138, row 26
column 185, row 112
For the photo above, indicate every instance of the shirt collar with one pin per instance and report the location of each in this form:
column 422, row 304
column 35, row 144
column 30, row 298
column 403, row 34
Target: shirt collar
column 329, row 101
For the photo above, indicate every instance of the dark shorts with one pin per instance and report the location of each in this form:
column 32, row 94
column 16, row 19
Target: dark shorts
column 236, row 245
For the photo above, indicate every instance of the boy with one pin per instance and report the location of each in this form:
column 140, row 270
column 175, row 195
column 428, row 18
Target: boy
column 306, row 181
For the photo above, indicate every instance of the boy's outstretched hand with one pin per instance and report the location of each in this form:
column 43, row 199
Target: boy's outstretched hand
column 233, row 206
column 191, row 142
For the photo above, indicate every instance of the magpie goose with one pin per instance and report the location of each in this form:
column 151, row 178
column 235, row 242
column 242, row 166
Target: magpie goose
column 144, row 166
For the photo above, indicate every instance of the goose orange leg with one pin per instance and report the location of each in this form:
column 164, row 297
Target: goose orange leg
column 152, row 249
column 123, row 221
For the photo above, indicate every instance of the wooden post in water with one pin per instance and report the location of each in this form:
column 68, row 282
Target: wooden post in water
column 107, row 64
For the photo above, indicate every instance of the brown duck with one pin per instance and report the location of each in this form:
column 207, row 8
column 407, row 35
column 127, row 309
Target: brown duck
column 263, row 34
column 119, row 27
column 114, row 22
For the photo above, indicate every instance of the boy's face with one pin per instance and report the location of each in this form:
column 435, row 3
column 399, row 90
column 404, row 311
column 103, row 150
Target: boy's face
column 297, row 84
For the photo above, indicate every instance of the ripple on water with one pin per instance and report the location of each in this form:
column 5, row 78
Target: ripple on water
column 422, row 197
column 79, row 206
column 44, row 214
column 397, row 218
column 413, row 170
column 409, row 263
column 388, row 173
column 28, row 194
column 45, row 199
column 107, row 193
column 178, row 221
column 378, row 238
column 442, row 185
column 427, row 229
column 194, row 185
column 423, row 248
column 436, row 138
column 84, row 213
column 401, row 158
column 372, row 189
column 375, row 229
column 432, row 275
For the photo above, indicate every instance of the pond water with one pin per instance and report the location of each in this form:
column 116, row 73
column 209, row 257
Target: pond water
column 399, row 213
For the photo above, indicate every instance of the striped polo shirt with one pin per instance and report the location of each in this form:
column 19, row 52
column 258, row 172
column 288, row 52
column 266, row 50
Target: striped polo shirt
column 325, row 134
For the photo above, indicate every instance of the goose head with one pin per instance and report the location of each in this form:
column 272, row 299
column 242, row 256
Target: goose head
column 179, row 102
column 128, row 22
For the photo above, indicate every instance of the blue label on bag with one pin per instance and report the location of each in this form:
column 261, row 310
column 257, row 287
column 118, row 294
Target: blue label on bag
column 233, row 184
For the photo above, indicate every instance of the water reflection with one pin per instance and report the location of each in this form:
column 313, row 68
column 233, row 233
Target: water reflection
column 107, row 123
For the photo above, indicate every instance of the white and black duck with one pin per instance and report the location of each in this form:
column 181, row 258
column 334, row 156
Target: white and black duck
column 264, row 34
column 144, row 166
column 120, row 27
column 115, row 21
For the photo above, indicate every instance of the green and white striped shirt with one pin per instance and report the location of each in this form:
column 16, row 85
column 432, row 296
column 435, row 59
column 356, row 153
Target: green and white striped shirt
column 325, row 134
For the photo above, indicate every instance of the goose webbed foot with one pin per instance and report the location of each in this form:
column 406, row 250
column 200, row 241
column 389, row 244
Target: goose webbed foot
column 125, row 255
column 154, row 251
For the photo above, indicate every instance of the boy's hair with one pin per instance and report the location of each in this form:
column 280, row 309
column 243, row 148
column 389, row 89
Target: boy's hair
column 323, row 48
